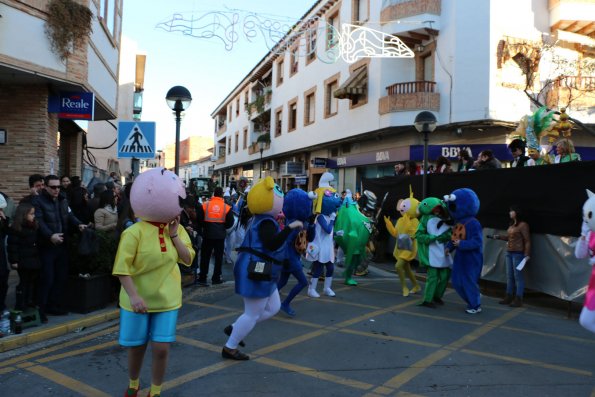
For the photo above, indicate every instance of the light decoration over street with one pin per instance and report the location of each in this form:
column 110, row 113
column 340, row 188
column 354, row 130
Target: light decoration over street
column 351, row 43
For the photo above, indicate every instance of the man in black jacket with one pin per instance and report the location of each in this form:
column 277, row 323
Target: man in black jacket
column 54, row 218
column 517, row 149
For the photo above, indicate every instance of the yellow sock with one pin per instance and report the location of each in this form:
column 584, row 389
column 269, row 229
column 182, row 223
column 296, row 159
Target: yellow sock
column 133, row 383
column 155, row 390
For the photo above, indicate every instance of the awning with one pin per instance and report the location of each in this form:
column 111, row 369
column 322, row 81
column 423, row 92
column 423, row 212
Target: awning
column 356, row 84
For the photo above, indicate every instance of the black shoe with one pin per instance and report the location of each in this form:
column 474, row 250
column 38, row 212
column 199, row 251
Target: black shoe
column 428, row 304
column 215, row 282
column 201, row 283
column 227, row 331
column 234, row 354
column 56, row 312
column 438, row 301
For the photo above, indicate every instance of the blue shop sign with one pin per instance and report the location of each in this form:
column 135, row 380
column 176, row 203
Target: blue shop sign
column 73, row 105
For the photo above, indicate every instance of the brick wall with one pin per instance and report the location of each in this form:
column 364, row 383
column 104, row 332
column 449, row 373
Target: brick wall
column 32, row 137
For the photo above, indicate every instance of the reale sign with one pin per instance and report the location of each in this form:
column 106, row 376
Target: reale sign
column 76, row 105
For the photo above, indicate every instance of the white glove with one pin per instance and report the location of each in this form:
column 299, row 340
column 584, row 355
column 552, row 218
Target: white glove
column 340, row 233
column 585, row 229
column 333, row 216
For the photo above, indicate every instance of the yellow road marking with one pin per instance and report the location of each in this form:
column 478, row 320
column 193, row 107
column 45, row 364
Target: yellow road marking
column 528, row 362
column 435, row 317
column 205, row 321
column 66, row 381
column 389, row 337
column 383, row 390
column 7, row 370
column 420, row 366
column 341, row 302
column 59, row 347
column 292, row 341
column 550, row 335
column 315, row 373
column 375, row 313
column 199, row 344
column 210, row 306
column 77, row 352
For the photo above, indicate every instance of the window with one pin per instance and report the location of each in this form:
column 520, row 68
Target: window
column 237, row 107
column 310, row 106
column 229, row 145
column 229, row 113
column 245, row 137
column 332, row 30
column 279, row 121
column 311, row 44
column 331, row 104
column 359, row 11
column 280, row 71
column 108, row 15
column 294, row 60
column 246, row 99
column 237, row 142
column 292, row 122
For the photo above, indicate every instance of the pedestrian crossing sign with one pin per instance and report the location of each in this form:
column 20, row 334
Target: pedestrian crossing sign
column 136, row 139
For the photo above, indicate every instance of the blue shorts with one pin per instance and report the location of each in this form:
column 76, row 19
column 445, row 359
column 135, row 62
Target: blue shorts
column 136, row 329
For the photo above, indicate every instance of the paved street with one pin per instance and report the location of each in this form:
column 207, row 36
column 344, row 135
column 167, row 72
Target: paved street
column 367, row 341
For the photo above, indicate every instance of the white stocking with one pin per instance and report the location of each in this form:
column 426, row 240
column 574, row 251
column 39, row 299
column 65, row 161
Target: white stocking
column 255, row 310
column 587, row 319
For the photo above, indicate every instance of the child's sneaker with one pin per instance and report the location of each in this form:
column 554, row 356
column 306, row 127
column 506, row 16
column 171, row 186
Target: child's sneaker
column 473, row 311
column 130, row 392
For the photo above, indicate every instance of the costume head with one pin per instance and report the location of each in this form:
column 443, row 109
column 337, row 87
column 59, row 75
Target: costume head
column 326, row 199
column 157, row 195
column 589, row 210
column 409, row 205
column 432, row 206
column 265, row 197
column 297, row 205
column 462, row 203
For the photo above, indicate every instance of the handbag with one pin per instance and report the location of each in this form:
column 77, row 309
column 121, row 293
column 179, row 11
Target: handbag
column 260, row 270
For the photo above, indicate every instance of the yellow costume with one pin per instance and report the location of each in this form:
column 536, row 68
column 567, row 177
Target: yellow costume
column 406, row 246
column 160, row 282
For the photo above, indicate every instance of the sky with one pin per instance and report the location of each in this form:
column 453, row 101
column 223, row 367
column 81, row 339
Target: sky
column 204, row 66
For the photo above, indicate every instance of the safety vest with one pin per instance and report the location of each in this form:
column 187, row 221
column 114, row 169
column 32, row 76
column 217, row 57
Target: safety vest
column 215, row 210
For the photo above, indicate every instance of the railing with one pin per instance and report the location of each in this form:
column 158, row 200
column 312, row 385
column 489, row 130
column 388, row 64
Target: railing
column 411, row 87
column 399, row 9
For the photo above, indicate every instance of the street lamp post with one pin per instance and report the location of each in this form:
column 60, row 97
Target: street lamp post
column 178, row 99
column 425, row 122
column 261, row 145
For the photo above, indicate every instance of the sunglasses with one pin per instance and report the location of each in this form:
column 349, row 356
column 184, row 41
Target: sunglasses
column 54, row 187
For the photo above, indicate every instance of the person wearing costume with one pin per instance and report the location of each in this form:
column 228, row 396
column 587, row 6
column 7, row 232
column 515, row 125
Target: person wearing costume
column 585, row 248
column 432, row 234
column 352, row 232
column 147, row 266
column 326, row 203
column 518, row 248
column 297, row 206
column 530, row 130
column 264, row 243
column 406, row 246
column 467, row 242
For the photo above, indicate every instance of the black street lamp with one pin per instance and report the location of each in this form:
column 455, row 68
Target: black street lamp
column 425, row 122
column 178, row 99
column 261, row 145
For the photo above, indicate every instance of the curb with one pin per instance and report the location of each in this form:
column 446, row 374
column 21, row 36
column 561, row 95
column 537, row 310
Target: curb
column 16, row 341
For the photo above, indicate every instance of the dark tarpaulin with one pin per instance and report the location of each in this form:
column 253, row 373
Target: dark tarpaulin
column 551, row 195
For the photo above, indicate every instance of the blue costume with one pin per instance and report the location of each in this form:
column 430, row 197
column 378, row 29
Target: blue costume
column 467, row 240
column 243, row 285
column 297, row 206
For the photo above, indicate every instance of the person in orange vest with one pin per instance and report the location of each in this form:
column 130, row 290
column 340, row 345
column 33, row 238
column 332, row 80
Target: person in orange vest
column 215, row 217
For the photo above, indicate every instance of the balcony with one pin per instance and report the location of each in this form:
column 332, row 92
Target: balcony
column 576, row 90
column 413, row 95
column 221, row 129
column 220, row 160
column 401, row 9
column 253, row 148
column 572, row 16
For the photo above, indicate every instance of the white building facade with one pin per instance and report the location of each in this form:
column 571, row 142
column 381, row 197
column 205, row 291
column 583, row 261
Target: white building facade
column 356, row 119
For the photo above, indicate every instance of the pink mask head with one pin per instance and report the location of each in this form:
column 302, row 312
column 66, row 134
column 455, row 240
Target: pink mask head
column 155, row 195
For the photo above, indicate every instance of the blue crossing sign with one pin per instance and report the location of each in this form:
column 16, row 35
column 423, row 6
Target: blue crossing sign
column 136, row 139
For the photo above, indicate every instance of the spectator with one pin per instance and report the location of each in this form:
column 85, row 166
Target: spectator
column 78, row 200
column 443, row 165
column 517, row 149
column 126, row 218
column 98, row 188
column 215, row 217
column 106, row 216
column 4, row 270
column 35, row 187
column 465, row 161
column 536, row 159
column 486, row 160
column 23, row 255
column 65, row 182
column 400, row 168
column 565, row 152
column 411, row 168
column 54, row 219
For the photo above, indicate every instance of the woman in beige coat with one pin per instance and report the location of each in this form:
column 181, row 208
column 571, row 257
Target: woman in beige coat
column 106, row 216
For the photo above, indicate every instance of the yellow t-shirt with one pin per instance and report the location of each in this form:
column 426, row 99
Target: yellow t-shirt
column 147, row 254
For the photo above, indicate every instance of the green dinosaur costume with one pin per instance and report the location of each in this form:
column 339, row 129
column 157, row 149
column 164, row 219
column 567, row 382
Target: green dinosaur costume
column 431, row 235
column 352, row 231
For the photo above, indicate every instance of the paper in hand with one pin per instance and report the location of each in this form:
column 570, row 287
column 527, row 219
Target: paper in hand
column 522, row 264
